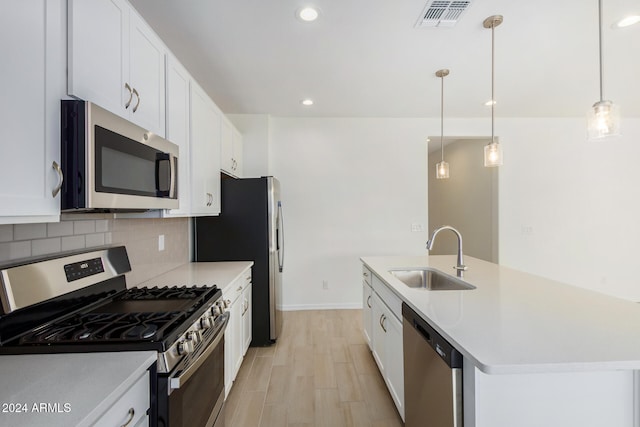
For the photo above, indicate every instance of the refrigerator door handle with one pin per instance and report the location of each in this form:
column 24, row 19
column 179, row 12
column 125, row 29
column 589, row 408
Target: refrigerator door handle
column 280, row 237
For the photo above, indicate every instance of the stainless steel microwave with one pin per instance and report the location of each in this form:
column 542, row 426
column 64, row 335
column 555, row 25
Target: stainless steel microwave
column 110, row 164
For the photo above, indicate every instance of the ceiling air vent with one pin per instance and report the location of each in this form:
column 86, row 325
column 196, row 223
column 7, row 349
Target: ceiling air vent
column 442, row 13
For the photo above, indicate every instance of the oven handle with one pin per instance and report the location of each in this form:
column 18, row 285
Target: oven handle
column 176, row 382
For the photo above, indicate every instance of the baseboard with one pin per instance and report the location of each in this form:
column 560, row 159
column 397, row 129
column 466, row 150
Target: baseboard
column 339, row 306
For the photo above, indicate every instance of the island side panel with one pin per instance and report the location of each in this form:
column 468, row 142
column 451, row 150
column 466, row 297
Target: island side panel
column 585, row 399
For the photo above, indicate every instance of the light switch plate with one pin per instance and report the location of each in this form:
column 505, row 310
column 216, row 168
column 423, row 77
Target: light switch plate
column 161, row 242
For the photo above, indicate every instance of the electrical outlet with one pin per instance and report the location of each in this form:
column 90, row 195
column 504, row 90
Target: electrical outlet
column 325, row 284
column 161, row 242
column 526, row 230
column 417, row 227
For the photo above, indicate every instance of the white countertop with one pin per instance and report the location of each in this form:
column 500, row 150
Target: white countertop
column 515, row 322
column 83, row 384
column 201, row 274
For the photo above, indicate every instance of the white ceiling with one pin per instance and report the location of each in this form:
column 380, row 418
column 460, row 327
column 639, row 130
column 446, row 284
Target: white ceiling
column 364, row 58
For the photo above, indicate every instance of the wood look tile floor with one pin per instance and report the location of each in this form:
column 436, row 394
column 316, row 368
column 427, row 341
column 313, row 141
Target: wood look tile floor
column 319, row 373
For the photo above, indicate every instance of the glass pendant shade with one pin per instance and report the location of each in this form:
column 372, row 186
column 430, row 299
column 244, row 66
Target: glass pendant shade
column 492, row 155
column 603, row 120
column 442, row 170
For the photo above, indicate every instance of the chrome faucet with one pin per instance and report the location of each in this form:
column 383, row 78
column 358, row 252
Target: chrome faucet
column 460, row 267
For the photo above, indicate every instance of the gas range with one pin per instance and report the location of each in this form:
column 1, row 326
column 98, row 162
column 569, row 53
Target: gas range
column 80, row 303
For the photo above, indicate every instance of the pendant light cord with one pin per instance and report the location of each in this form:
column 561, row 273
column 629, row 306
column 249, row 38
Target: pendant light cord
column 493, row 98
column 600, row 46
column 441, row 118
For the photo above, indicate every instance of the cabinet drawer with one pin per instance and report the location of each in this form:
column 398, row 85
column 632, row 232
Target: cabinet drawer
column 130, row 407
column 390, row 299
column 366, row 274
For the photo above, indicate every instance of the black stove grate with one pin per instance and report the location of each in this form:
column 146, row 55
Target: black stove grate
column 104, row 327
column 136, row 315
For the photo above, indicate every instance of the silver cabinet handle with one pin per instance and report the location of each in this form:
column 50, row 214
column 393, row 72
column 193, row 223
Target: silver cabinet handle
column 369, row 301
column 365, row 274
column 127, row 87
column 57, row 168
column 137, row 103
column 239, row 288
column 382, row 319
column 132, row 413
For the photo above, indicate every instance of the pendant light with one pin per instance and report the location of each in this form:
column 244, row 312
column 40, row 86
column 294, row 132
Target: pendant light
column 492, row 151
column 442, row 168
column 603, row 119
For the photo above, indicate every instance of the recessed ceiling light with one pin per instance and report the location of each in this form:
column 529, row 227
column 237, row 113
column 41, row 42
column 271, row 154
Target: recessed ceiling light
column 628, row 21
column 307, row 102
column 490, row 102
column 308, row 14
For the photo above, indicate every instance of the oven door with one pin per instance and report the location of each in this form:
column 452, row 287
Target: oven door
column 192, row 395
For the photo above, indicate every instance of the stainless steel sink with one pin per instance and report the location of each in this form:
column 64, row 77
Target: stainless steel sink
column 429, row 279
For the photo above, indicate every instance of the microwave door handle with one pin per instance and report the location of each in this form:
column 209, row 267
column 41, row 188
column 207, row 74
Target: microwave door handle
column 174, row 177
column 162, row 157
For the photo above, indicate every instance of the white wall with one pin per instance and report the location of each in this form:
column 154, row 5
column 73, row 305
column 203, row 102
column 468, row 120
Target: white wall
column 352, row 187
column 569, row 208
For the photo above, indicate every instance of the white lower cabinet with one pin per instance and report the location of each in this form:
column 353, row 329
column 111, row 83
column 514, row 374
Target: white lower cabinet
column 131, row 408
column 367, row 315
column 383, row 326
column 237, row 337
column 246, row 319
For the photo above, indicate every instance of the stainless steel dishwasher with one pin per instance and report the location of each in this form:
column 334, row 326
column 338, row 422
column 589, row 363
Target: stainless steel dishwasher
column 432, row 375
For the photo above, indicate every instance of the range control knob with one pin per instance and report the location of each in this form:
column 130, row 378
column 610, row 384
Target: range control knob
column 205, row 322
column 194, row 337
column 185, row 347
column 216, row 310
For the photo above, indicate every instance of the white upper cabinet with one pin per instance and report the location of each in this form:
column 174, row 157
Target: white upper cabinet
column 205, row 133
column 32, row 42
column 178, row 80
column 231, row 149
column 116, row 61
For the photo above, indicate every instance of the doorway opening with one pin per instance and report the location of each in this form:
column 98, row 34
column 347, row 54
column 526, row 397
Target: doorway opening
column 467, row 200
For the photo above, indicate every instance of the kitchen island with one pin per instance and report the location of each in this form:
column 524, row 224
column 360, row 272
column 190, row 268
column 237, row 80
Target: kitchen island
column 536, row 352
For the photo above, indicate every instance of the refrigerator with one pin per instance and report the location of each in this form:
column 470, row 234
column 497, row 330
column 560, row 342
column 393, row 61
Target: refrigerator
column 249, row 228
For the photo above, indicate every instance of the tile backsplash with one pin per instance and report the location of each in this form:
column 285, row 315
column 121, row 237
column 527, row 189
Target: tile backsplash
column 140, row 236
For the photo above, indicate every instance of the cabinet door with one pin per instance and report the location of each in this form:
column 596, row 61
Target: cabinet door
column 99, row 53
column 146, row 76
column 232, row 342
column 237, row 153
column 226, row 147
column 205, row 153
column 394, row 361
column 32, row 40
column 246, row 319
column 379, row 338
column 177, row 128
column 367, row 315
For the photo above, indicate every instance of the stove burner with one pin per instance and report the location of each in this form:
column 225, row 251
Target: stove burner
column 156, row 293
column 104, row 327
